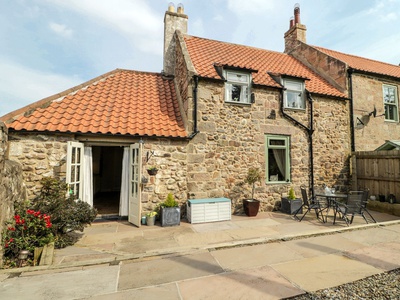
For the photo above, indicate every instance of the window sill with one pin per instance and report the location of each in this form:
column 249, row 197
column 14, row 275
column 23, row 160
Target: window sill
column 295, row 109
column 238, row 103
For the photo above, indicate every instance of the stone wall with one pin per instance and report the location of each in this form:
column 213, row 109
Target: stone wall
column 170, row 157
column 12, row 188
column 40, row 156
column 367, row 94
column 232, row 139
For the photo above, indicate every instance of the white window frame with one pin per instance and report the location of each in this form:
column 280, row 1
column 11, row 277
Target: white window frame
column 236, row 79
column 390, row 100
column 291, row 91
column 273, row 177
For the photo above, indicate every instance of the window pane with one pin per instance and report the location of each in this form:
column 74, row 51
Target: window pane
column 78, row 153
column 293, row 99
column 237, row 78
column 277, row 164
column 73, row 154
column 390, row 112
column 277, row 142
column 72, row 179
column 236, row 91
column 292, row 85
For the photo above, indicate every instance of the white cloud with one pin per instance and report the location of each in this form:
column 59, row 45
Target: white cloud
column 134, row 19
column 389, row 17
column 61, row 29
column 27, row 85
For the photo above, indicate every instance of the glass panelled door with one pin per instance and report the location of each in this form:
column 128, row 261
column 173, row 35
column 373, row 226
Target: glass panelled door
column 74, row 169
column 135, row 163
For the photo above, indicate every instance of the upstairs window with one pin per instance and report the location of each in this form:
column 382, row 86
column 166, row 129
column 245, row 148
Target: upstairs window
column 294, row 94
column 390, row 101
column 277, row 158
column 237, row 87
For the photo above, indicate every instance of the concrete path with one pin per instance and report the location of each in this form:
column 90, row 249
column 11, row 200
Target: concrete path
column 270, row 256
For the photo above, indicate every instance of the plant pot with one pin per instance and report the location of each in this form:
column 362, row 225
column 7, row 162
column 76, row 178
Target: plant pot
column 291, row 206
column 170, row 216
column 251, row 207
column 150, row 221
column 152, row 172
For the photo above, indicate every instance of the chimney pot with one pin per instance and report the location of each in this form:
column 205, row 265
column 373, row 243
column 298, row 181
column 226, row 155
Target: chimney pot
column 291, row 22
column 171, row 7
column 180, row 9
column 297, row 13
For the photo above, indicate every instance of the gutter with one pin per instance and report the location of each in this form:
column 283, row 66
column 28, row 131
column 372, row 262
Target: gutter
column 309, row 131
column 195, row 129
column 352, row 138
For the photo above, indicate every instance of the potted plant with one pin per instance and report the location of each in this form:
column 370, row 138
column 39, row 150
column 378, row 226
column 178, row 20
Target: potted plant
column 251, row 206
column 170, row 212
column 290, row 204
column 152, row 170
column 151, row 218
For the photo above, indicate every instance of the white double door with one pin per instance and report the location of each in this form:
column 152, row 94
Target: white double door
column 80, row 181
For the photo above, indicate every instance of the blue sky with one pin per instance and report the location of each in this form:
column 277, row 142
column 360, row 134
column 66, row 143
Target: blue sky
column 48, row 46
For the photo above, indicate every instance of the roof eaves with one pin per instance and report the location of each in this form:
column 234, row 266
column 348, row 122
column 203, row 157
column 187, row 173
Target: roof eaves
column 45, row 102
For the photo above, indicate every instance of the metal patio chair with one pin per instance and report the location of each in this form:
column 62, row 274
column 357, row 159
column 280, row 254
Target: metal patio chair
column 308, row 205
column 356, row 204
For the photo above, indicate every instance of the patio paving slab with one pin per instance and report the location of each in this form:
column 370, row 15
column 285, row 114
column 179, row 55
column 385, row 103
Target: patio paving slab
column 312, row 274
column 254, row 256
column 166, row 270
column 164, row 292
column 259, row 283
column 322, row 245
column 385, row 256
column 82, row 283
column 373, row 236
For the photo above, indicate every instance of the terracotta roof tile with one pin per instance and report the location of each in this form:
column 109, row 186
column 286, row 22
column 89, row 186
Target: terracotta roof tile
column 121, row 102
column 206, row 53
column 364, row 64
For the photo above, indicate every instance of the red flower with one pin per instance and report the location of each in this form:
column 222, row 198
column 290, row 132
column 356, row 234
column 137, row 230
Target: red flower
column 48, row 225
column 11, row 240
column 11, row 228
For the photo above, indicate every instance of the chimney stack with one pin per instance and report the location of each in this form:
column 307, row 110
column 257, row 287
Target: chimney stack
column 296, row 32
column 172, row 21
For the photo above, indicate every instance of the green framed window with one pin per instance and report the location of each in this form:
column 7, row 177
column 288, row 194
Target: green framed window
column 390, row 101
column 277, row 153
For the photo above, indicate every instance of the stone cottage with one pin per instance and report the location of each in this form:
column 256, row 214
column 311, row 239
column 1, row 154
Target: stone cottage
column 216, row 110
column 371, row 86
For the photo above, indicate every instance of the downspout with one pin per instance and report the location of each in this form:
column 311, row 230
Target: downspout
column 352, row 138
column 196, row 84
column 309, row 131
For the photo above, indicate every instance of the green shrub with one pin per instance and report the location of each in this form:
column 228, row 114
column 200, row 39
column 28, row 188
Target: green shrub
column 67, row 214
column 170, row 201
column 291, row 195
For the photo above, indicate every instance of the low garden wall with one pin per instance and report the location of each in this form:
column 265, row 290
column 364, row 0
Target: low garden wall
column 12, row 188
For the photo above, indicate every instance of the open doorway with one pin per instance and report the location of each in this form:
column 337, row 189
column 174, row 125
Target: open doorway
column 107, row 170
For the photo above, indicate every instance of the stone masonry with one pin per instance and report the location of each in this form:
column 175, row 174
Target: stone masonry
column 375, row 131
column 12, row 188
